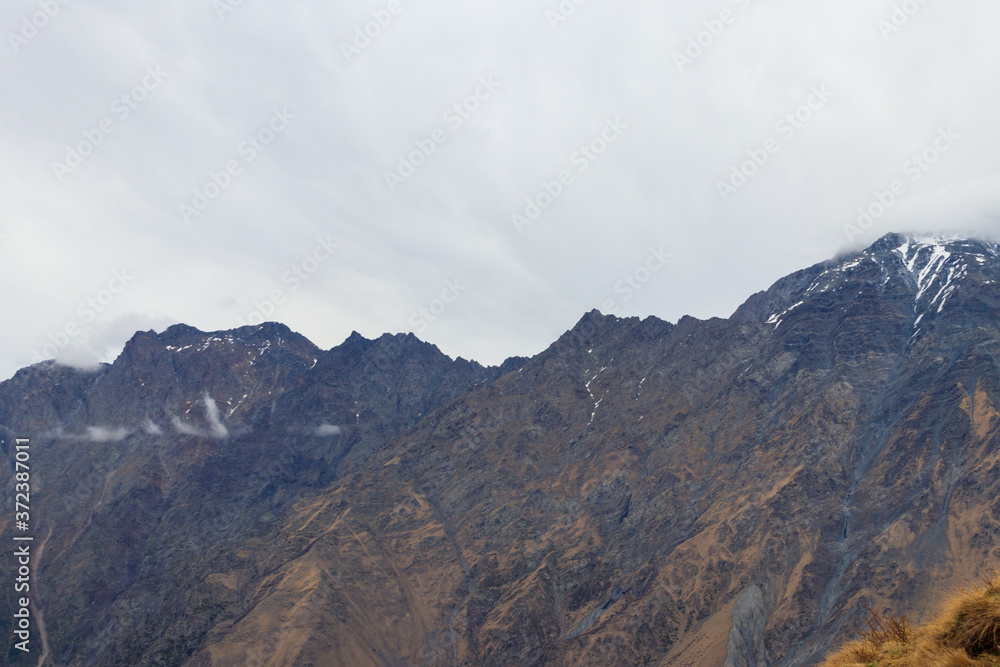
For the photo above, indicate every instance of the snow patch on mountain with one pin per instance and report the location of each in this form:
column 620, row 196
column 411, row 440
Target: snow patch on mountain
column 598, row 403
column 938, row 264
column 777, row 317
column 930, row 267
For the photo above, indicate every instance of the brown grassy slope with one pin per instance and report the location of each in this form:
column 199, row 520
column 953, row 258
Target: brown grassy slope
column 965, row 634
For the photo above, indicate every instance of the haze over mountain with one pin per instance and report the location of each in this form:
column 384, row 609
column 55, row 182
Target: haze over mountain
column 727, row 491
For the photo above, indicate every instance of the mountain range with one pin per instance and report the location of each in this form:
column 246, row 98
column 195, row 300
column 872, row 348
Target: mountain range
column 708, row 492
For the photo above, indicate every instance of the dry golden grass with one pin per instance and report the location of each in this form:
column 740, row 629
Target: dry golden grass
column 965, row 634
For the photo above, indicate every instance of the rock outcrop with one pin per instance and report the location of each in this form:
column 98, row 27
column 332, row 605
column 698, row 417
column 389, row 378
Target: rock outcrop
column 746, row 639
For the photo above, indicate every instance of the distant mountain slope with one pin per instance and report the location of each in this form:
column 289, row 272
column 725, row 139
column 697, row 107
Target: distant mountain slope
column 148, row 471
column 730, row 491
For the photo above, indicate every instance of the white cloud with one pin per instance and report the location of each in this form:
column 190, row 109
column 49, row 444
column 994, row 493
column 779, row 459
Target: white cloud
column 327, row 429
column 185, row 429
column 104, row 434
column 93, row 434
column 216, row 429
column 215, row 426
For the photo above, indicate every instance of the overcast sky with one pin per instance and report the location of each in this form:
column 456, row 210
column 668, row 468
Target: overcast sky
column 359, row 165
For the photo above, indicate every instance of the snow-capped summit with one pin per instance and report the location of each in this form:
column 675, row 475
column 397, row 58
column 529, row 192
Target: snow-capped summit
column 918, row 274
column 939, row 264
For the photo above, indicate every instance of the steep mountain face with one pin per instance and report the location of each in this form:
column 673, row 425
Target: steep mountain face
column 700, row 493
column 151, row 472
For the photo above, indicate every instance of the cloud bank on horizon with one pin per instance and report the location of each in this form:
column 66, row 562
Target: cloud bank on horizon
column 479, row 174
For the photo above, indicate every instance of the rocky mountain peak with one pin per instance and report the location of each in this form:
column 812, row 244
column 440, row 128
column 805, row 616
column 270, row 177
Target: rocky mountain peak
column 918, row 274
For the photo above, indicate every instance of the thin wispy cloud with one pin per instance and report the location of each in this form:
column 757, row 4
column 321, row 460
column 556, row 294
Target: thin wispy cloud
column 103, row 434
column 327, row 429
column 185, row 429
column 216, row 429
column 93, row 434
column 215, row 426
